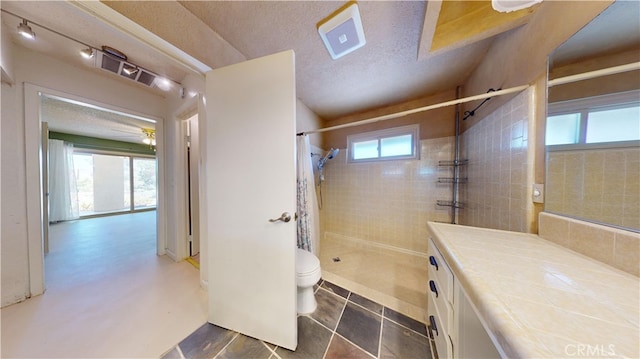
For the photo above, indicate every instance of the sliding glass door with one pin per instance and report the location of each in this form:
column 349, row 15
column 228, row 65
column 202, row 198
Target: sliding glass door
column 105, row 183
column 144, row 183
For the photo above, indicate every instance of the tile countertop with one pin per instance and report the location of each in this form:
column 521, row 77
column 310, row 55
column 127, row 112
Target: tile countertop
column 540, row 300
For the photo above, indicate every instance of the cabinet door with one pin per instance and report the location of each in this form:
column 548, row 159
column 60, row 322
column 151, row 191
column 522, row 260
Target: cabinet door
column 472, row 341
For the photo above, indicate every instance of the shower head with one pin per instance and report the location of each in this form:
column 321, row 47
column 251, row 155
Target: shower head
column 331, row 154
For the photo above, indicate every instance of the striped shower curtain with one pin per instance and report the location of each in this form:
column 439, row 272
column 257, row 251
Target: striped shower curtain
column 308, row 220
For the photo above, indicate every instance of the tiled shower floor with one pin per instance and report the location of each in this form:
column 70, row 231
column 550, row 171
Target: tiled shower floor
column 345, row 325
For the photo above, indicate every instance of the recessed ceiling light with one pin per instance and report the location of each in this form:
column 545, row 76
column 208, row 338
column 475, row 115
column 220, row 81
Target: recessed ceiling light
column 87, row 53
column 25, row 30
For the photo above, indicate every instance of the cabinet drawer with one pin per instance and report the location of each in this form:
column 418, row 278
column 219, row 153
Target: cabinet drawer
column 439, row 271
column 442, row 308
column 440, row 335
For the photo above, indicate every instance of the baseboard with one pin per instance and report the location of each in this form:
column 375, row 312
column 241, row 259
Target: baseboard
column 171, row 255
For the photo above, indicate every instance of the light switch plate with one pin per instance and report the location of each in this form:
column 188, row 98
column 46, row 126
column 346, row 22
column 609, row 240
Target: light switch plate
column 538, row 193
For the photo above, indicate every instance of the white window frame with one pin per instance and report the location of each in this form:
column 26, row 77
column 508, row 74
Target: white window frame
column 413, row 130
column 591, row 104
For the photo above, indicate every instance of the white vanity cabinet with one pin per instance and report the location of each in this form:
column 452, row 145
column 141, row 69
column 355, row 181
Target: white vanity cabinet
column 515, row 295
column 455, row 326
column 440, row 302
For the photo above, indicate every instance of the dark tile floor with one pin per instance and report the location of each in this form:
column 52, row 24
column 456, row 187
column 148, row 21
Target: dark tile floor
column 345, row 325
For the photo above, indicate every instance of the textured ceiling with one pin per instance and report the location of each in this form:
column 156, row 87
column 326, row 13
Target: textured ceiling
column 385, row 71
column 79, row 119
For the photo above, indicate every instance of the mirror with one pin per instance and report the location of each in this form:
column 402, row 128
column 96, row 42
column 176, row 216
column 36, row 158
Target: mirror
column 593, row 125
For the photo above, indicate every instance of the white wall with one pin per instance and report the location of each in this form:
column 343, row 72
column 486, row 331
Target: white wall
column 46, row 72
column 6, row 56
column 307, row 120
column 13, row 240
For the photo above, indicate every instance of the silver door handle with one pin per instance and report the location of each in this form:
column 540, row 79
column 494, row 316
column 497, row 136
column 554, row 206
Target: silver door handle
column 284, row 217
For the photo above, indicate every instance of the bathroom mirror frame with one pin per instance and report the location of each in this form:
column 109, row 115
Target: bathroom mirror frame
column 604, row 42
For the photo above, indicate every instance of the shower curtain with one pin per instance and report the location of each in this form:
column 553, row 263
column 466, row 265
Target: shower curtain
column 63, row 193
column 308, row 220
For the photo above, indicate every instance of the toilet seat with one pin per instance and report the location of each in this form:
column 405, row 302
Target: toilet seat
column 306, row 263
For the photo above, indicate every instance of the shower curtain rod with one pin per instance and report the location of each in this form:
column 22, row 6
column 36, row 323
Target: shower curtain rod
column 551, row 83
column 593, row 74
column 419, row 109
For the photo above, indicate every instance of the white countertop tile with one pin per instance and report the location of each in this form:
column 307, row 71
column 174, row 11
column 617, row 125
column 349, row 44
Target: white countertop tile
column 540, row 300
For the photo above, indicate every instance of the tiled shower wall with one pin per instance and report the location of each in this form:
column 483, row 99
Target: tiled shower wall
column 598, row 184
column 387, row 202
column 499, row 171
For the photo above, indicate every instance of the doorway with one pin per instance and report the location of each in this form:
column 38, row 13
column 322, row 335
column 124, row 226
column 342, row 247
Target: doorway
column 99, row 163
column 35, row 115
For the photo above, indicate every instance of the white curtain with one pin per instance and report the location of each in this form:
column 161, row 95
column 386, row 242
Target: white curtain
column 308, row 220
column 63, row 193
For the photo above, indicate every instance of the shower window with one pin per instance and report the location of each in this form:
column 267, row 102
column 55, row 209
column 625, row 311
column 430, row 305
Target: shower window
column 390, row 144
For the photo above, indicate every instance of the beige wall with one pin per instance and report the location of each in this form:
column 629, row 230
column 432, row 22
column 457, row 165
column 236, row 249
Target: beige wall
column 387, row 202
column 596, row 184
column 499, row 171
column 433, row 124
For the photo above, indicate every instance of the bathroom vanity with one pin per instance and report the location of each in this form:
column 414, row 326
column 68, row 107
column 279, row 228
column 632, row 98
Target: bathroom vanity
column 514, row 295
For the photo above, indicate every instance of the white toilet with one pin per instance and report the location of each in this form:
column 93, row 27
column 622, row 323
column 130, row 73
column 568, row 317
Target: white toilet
column 307, row 274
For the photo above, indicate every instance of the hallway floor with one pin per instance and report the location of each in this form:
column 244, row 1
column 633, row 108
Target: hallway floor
column 345, row 325
column 108, row 295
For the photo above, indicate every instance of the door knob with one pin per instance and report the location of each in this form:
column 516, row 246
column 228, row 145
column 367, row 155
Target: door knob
column 284, row 217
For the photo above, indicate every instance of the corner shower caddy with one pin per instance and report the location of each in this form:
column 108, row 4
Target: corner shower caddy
column 456, row 179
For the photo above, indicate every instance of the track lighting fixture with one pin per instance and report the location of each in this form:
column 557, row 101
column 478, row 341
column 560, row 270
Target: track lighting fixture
column 107, row 58
column 129, row 70
column 87, row 53
column 25, row 30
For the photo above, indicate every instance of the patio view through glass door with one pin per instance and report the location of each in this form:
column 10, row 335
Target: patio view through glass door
column 105, row 183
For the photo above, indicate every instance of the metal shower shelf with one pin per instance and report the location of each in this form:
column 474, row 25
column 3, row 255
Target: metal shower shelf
column 449, row 204
column 452, row 180
column 452, row 163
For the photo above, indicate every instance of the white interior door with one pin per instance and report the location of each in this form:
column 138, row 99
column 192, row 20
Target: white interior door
column 250, row 178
